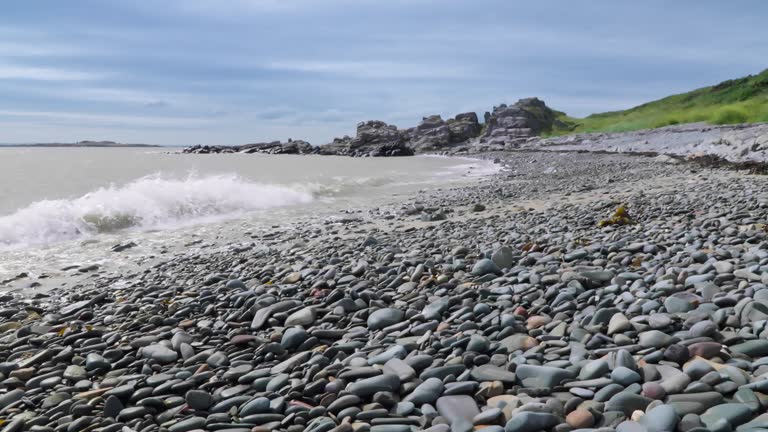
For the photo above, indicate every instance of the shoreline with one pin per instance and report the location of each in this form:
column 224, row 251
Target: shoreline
column 428, row 314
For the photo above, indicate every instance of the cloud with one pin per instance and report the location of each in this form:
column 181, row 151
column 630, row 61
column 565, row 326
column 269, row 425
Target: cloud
column 36, row 49
column 91, row 119
column 14, row 72
column 157, row 104
column 276, row 113
column 373, row 69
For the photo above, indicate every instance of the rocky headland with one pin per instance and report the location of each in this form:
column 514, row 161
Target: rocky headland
column 505, row 124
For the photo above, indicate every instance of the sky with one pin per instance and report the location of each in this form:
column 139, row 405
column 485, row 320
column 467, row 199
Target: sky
column 184, row 72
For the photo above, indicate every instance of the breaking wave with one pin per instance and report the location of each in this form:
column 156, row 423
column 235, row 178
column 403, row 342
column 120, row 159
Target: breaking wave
column 147, row 203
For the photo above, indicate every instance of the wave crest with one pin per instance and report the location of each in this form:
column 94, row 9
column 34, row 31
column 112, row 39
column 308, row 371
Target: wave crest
column 147, row 203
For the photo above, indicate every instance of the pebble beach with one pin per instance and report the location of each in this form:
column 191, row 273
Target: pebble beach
column 502, row 305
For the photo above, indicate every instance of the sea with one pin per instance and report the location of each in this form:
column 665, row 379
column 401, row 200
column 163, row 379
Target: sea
column 66, row 207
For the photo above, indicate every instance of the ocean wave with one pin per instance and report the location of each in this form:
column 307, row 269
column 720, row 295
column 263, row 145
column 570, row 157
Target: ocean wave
column 147, row 203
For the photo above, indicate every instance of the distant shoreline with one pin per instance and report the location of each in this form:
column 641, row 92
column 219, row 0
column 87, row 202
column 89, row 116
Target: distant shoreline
column 80, row 145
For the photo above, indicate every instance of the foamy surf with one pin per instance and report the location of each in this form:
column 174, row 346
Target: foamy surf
column 147, row 203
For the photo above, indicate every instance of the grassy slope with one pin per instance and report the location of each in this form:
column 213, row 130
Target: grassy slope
column 743, row 100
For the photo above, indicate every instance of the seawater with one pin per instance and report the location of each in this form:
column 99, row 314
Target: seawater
column 66, row 206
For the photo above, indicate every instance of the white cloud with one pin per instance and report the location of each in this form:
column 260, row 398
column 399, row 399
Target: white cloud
column 29, row 49
column 36, row 73
column 102, row 119
column 373, row 69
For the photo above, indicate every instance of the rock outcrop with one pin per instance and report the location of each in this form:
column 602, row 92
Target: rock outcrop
column 505, row 127
column 510, row 125
column 434, row 133
column 374, row 138
column 275, row 147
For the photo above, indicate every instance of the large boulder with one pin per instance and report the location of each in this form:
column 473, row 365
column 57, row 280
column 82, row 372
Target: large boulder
column 374, row 138
column 274, row 147
column 434, row 133
column 464, row 126
column 513, row 124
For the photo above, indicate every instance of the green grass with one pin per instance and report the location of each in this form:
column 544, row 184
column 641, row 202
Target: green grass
column 743, row 100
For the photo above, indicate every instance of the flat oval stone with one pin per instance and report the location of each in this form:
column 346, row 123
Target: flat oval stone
column 382, row 318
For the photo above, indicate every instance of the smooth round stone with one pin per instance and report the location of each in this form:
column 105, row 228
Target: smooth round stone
column 426, row 392
column 488, row 417
column 653, row 390
column 400, row 368
column 260, row 405
column 627, row 403
column 752, row 348
column 704, row 328
column 531, row 421
column 630, row 426
column 180, row 338
column 533, row 376
column 453, row 408
column 675, row 304
column 625, row 376
column 369, row 386
column 705, row 350
column 302, row 317
column 435, row 310
column 488, row 372
column 582, row 392
column 293, row 337
column 594, row 369
column 187, row 425
column 662, row 418
column 391, row 428
column 485, row 267
column 341, row 403
column 199, row 399
column 75, row 373
column 654, row 339
column 733, row 413
column 95, row 361
column 113, row 406
column 404, row 408
column 607, row 392
column 396, row 351
column 659, row 321
column 217, row 360
column 382, row 318
column 689, row 422
column 580, row 419
column 159, row 353
column 478, row 343
column 132, row 413
column 677, row 353
column 618, row 324
column 503, row 257
column 481, row 309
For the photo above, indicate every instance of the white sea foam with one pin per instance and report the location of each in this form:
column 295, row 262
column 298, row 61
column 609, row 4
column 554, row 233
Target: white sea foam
column 147, row 203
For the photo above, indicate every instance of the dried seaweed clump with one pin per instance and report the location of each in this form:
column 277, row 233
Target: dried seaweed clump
column 619, row 217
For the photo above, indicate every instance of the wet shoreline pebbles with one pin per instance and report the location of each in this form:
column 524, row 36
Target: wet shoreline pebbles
column 488, row 320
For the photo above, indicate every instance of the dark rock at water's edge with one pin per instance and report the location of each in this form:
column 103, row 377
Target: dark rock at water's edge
column 374, row 138
column 516, row 123
column 435, row 134
column 275, row 147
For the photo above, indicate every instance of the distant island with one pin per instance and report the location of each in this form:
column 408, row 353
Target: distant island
column 82, row 144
